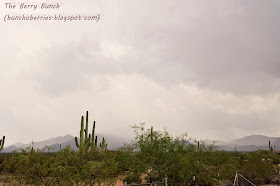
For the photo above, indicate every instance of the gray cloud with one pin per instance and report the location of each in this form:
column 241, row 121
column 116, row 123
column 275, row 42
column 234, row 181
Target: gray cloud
column 234, row 52
column 229, row 46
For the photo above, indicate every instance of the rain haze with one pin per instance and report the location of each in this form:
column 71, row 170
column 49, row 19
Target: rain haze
column 208, row 68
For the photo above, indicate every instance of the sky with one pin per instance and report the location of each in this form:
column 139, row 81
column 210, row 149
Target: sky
column 208, row 68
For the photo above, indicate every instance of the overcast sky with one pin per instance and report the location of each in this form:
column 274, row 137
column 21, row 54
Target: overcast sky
column 209, row 68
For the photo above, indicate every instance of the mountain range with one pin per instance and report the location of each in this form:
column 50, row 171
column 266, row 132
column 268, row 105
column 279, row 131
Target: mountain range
column 245, row 144
column 54, row 143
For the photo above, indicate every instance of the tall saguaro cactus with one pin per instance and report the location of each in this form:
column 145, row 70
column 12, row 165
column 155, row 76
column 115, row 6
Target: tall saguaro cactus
column 151, row 134
column 2, row 141
column 87, row 140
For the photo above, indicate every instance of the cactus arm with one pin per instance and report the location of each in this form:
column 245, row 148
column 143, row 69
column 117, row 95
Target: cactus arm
column 92, row 136
column 95, row 143
column 76, row 141
column 103, row 145
column 151, row 134
column 86, row 129
column 82, row 139
column 89, row 138
column 81, row 145
column 82, row 131
column 2, row 143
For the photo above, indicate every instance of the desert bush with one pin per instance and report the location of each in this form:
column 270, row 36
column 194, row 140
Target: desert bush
column 66, row 167
column 155, row 155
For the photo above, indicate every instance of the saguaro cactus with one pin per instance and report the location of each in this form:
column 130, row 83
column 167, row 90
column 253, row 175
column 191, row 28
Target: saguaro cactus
column 151, row 134
column 2, row 141
column 269, row 150
column 86, row 140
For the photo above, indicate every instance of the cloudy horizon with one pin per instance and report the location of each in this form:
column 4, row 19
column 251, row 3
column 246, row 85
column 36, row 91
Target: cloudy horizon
column 210, row 69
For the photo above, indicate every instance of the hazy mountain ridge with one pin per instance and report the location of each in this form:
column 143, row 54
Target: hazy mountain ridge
column 257, row 140
column 247, row 143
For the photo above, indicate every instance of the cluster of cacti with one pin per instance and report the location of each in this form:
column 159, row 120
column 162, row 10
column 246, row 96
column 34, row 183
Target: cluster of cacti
column 88, row 140
column 2, row 141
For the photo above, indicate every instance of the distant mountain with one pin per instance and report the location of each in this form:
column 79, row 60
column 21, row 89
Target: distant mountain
column 54, row 143
column 38, row 145
column 70, row 143
column 257, row 140
column 249, row 143
column 10, row 148
column 48, row 142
